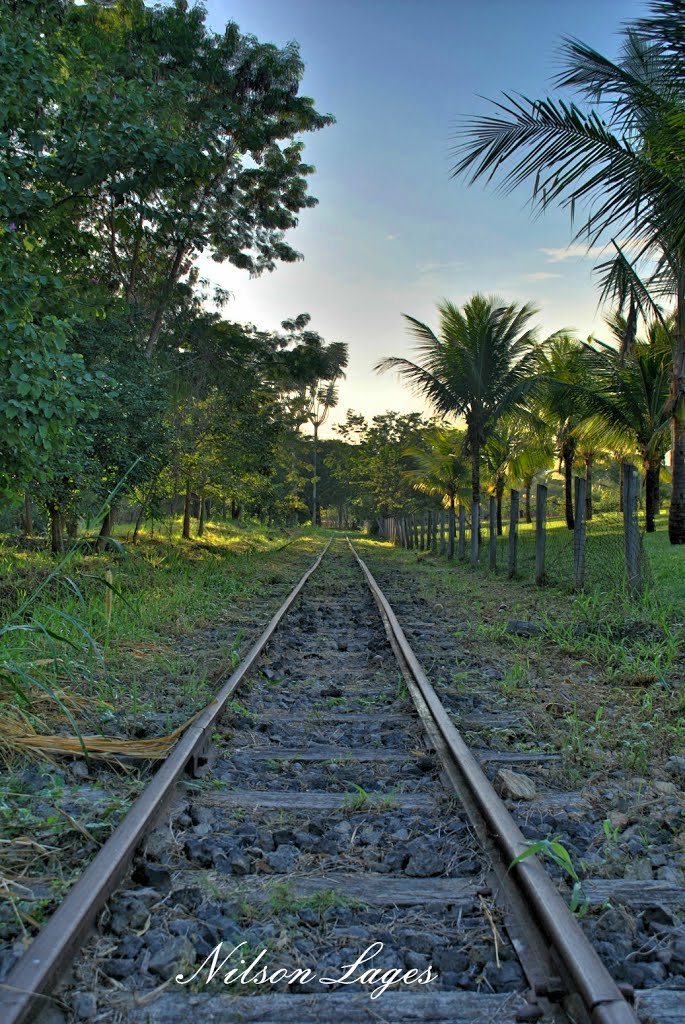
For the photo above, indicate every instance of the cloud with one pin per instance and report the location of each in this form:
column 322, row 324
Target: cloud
column 437, row 268
column 571, row 252
column 391, row 238
column 579, row 251
column 540, row 275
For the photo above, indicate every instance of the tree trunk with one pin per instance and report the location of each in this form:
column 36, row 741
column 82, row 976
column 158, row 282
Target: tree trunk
column 156, row 328
column 27, row 523
column 499, row 491
column 450, row 529
column 475, row 466
column 203, row 516
column 588, row 487
column 676, row 513
column 186, row 512
column 139, row 519
column 621, row 474
column 651, row 493
column 314, row 509
column 56, row 535
column 105, row 529
column 567, row 458
column 529, row 484
column 72, row 527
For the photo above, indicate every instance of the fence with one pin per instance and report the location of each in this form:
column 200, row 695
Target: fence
column 604, row 549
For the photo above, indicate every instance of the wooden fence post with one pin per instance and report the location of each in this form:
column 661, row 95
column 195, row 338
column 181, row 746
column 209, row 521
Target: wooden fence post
column 434, row 532
column 493, row 532
column 450, row 533
column 442, row 531
column 631, row 530
column 475, row 526
column 579, row 533
column 540, row 533
column 513, row 533
column 422, row 534
column 461, row 550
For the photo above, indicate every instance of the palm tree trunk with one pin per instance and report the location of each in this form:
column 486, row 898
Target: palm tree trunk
column 475, row 466
column 567, row 458
column 621, row 475
column 651, row 493
column 450, row 531
column 676, row 513
column 186, row 512
column 529, row 484
column 588, row 487
column 499, row 491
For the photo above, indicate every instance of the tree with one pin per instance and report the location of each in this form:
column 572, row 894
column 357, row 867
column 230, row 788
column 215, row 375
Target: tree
column 629, row 404
column 561, row 361
column 224, row 171
column 624, row 156
column 311, row 371
column 377, row 461
column 518, row 449
column 439, row 469
column 478, row 366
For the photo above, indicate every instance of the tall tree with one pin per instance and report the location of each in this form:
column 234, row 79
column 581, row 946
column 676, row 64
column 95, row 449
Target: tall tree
column 624, row 154
column 311, row 371
column 478, row 365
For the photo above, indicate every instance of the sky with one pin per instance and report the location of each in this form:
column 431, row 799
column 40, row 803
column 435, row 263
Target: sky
column 393, row 233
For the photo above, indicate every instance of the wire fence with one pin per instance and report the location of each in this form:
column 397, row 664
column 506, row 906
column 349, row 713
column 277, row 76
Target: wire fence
column 534, row 540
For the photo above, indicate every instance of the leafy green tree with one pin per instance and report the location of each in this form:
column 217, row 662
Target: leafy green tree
column 310, row 372
column 624, row 156
column 479, row 366
column 378, row 460
column 225, row 173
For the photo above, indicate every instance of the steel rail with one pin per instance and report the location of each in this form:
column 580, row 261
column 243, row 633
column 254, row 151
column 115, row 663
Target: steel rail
column 25, row 990
column 583, row 970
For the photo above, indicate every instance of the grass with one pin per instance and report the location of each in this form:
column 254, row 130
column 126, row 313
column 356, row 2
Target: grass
column 604, row 681
column 177, row 617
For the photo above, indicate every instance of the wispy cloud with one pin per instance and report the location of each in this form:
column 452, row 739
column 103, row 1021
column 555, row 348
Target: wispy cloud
column 391, row 238
column 437, row 268
column 540, row 275
column 571, row 252
column 579, row 251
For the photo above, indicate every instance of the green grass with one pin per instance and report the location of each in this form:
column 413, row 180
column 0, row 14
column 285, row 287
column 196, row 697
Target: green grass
column 179, row 614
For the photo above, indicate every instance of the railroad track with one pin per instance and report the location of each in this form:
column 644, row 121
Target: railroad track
column 335, row 833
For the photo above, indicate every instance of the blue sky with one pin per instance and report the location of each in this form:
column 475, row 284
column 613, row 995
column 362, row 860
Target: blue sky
column 393, row 233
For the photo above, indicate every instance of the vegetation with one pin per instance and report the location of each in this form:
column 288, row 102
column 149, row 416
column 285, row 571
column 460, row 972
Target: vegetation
column 624, row 156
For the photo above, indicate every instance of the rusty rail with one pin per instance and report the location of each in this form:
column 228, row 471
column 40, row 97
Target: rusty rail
column 24, row 992
column 582, row 970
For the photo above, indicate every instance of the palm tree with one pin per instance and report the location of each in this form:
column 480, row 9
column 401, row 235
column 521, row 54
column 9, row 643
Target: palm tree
column 624, row 156
column 561, row 366
column 439, row 469
column 629, row 403
column 518, row 449
column 478, row 365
